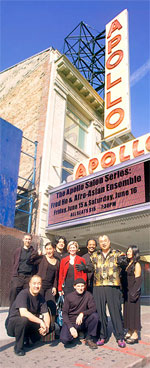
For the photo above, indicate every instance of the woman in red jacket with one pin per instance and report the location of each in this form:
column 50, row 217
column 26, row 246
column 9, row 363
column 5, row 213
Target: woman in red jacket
column 67, row 272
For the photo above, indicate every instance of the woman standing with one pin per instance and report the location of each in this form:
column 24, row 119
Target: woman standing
column 68, row 273
column 48, row 270
column 132, row 298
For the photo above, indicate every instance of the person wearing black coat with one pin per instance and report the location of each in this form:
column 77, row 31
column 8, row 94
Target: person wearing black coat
column 132, row 320
column 91, row 245
column 22, row 271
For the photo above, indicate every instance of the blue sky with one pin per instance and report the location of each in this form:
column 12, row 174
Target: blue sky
column 28, row 27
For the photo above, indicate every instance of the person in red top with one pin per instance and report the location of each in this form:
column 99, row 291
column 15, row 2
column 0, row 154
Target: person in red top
column 67, row 272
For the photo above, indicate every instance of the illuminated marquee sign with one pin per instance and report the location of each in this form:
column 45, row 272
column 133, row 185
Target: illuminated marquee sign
column 125, row 152
column 114, row 190
column 117, row 101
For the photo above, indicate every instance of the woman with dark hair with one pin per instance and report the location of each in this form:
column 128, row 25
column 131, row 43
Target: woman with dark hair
column 60, row 244
column 132, row 297
column 49, row 270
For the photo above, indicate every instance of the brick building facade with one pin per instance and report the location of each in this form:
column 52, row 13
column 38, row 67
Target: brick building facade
column 52, row 103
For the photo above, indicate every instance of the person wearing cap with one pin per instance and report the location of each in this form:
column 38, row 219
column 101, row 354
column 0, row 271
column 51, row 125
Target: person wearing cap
column 79, row 313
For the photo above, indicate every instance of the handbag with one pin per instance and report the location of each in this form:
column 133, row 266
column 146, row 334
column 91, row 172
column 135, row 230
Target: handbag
column 49, row 337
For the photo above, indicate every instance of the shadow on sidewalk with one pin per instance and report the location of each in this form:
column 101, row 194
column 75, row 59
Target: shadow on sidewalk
column 7, row 346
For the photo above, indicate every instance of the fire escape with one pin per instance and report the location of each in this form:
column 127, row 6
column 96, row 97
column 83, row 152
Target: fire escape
column 26, row 192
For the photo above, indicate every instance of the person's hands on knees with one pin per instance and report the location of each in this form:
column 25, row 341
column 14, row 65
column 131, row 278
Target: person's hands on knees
column 74, row 332
column 79, row 319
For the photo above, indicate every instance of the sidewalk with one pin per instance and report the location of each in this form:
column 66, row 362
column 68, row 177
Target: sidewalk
column 55, row 355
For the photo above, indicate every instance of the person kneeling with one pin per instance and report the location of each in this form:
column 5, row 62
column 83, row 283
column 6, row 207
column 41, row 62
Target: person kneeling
column 79, row 313
column 23, row 321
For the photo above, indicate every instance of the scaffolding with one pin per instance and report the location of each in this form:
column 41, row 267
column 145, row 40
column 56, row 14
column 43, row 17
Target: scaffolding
column 26, row 192
column 85, row 47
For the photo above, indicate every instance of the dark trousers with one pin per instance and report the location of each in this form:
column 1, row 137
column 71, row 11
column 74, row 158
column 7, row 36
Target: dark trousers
column 21, row 328
column 112, row 296
column 90, row 323
column 17, row 284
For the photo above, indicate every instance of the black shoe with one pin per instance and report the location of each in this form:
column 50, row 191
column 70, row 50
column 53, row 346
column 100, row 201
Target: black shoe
column 68, row 344
column 20, row 352
column 91, row 344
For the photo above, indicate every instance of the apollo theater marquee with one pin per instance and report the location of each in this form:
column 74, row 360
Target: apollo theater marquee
column 110, row 192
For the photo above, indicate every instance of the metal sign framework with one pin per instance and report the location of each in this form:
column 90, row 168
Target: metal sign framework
column 85, row 47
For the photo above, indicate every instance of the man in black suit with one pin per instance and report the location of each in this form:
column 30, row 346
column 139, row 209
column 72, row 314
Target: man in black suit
column 91, row 245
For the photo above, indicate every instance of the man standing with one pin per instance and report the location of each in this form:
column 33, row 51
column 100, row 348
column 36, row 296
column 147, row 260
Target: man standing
column 106, row 289
column 61, row 244
column 91, row 245
column 79, row 312
column 23, row 321
column 22, row 271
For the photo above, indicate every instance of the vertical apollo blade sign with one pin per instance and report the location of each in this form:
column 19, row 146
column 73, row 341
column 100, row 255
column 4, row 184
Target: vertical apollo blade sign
column 117, row 99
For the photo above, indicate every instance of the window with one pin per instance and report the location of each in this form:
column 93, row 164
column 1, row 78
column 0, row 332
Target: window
column 66, row 172
column 75, row 130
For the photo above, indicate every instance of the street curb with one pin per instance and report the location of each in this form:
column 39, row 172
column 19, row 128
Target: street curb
column 144, row 362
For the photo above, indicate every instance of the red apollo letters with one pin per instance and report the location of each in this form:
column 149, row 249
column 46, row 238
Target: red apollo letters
column 116, row 155
column 111, row 64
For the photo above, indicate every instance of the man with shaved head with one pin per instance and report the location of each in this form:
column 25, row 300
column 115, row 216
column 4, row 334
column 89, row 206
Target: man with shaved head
column 106, row 290
column 24, row 320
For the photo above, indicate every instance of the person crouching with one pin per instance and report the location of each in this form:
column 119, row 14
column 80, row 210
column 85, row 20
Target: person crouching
column 23, row 321
column 79, row 313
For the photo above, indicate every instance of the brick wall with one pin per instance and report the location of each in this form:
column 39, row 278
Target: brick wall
column 23, row 102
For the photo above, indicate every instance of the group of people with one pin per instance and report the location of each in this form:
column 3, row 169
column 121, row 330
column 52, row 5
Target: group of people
column 101, row 277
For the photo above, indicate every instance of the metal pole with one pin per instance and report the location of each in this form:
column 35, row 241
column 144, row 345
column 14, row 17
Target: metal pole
column 33, row 185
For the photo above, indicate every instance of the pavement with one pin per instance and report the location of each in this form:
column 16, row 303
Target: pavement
column 55, row 355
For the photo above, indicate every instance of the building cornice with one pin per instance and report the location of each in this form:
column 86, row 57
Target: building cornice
column 79, row 83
